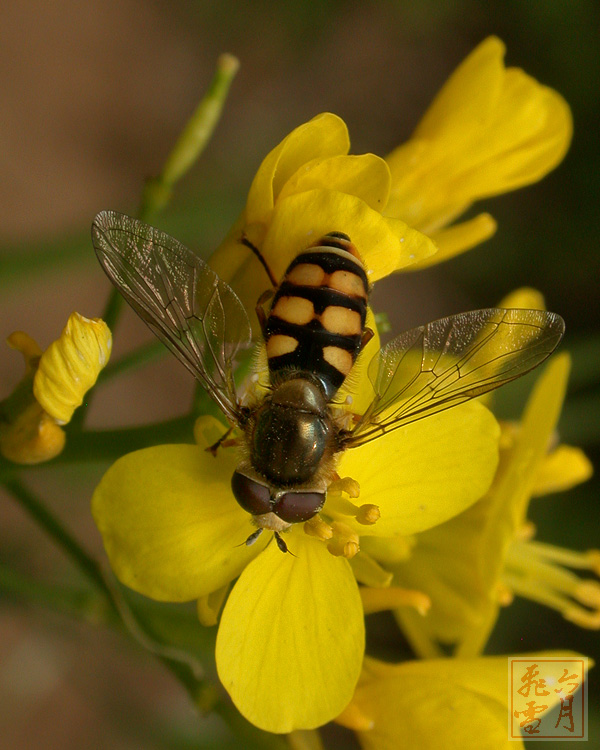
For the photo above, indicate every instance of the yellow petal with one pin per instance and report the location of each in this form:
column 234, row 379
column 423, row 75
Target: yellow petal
column 291, row 639
column 526, row 298
column 323, row 136
column 366, row 176
column 302, row 219
column 468, row 95
column 562, row 469
column 32, row 437
column 210, row 605
column 71, row 365
column 464, row 588
column 422, row 474
column 170, row 525
column 517, row 480
column 455, row 704
column 489, row 130
column 29, row 348
column 457, row 239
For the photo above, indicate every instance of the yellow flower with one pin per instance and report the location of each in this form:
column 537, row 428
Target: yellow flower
column 291, row 635
column 306, row 187
column 490, row 130
column 477, row 561
column 54, row 385
column 455, row 704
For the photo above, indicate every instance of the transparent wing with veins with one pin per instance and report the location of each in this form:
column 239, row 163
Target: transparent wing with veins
column 181, row 299
column 449, row 361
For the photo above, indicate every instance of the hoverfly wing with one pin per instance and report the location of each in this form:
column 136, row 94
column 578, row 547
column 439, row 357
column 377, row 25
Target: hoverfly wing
column 181, row 299
column 449, row 361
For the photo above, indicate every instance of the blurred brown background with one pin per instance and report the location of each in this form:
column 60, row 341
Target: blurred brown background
column 93, row 96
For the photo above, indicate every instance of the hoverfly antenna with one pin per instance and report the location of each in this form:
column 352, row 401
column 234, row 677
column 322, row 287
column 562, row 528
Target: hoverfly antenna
column 252, row 538
column 281, row 544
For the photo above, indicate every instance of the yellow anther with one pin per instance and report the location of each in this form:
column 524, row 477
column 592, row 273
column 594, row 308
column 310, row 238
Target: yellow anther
column 368, row 514
column 588, row 593
column 504, row 595
column 347, row 485
column 394, row 597
column 508, row 434
column 526, row 532
column 593, row 556
column 317, row 527
column 344, row 542
column 583, row 617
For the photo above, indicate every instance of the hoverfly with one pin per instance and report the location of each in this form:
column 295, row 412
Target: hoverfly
column 313, row 333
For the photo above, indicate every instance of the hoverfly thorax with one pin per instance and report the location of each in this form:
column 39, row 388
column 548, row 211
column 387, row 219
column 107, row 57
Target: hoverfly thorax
column 313, row 333
column 291, row 434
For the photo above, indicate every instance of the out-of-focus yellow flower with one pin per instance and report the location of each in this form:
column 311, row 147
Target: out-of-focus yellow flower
column 54, row 385
column 477, row 561
column 490, row 130
column 455, row 704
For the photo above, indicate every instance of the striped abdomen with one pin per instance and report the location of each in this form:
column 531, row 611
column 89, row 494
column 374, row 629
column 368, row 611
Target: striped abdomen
column 317, row 318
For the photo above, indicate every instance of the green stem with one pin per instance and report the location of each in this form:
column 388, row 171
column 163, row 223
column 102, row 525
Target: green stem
column 157, row 191
column 82, row 604
column 192, row 141
column 56, row 531
column 139, row 357
column 108, row 445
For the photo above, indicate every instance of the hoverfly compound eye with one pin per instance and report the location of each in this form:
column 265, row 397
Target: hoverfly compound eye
column 296, row 507
column 252, row 496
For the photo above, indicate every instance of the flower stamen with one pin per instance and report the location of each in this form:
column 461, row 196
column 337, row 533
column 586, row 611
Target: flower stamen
column 392, row 598
column 536, row 571
column 318, row 528
column 344, row 541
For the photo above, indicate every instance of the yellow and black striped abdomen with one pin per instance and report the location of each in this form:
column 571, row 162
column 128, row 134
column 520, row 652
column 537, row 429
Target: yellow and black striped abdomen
column 317, row 318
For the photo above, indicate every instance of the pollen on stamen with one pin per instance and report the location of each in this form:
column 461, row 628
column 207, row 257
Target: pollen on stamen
column 344, row 542
column 368, row 514
column 318, row 528
column 344, row 484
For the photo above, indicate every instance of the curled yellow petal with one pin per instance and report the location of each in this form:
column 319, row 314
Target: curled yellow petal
column 71, row 365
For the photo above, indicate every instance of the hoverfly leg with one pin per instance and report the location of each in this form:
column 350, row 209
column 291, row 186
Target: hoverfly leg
column 260, row 312
column 245, row 241
column 366, row 337
column 212, row 449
